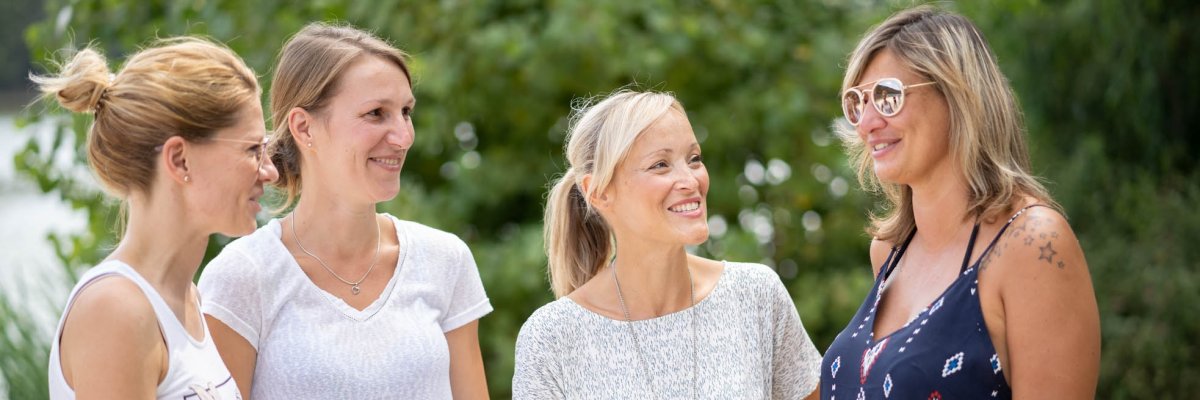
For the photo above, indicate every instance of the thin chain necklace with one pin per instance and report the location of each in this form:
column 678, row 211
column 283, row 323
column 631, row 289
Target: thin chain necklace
column 612, row 265
column 354, row 289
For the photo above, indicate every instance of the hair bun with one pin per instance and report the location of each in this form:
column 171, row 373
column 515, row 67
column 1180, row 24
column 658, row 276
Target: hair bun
column 80, row 84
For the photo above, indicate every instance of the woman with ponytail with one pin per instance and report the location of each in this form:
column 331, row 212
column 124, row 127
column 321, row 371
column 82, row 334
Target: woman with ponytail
column 178, row 136
column 343, row 302
column 637, row 316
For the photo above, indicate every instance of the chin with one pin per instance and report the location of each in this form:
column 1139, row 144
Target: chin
column 386, row 193
column 241, row 229
column 696, row 236
column 885, row 175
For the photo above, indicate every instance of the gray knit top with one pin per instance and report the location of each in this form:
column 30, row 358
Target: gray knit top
column 749, row 344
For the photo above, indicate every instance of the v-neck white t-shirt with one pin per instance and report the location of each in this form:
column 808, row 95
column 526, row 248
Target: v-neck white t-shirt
column 311, row 344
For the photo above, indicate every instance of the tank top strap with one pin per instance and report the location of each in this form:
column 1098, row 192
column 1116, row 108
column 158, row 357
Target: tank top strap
column 170, row 326
column 1005, row 228
column 970, row 246
column 893, row 257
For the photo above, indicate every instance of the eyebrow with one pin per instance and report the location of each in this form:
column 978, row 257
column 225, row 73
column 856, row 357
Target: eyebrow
column 412, row 102
column 667, row 150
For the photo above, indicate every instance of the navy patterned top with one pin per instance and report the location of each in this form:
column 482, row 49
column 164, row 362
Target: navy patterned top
column 943, row 352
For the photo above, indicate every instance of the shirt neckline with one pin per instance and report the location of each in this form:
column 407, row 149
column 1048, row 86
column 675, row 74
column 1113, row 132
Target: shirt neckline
column 336, row 302
column 716, row 291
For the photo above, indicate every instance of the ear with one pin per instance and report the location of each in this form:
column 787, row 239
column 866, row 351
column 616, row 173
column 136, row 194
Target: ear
column 174, row 158
column 299, row 122
column 600, row 199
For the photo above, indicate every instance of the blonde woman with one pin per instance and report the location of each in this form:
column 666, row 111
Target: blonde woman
column 335, row 301
column 178, row 136
column 981, row 289
column 637, row 317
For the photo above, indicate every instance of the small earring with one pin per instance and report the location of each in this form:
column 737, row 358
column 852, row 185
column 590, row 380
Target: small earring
column 187, row 178
column 310, row 145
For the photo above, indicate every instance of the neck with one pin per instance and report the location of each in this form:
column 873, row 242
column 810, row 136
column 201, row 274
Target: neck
column 335, row 230
column 163, row 245
column 654, row 278
column 940, row 209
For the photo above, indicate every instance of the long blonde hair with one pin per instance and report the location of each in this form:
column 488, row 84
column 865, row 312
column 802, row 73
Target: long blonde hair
column 578, row 241
column 987, row 131
column 306, row 76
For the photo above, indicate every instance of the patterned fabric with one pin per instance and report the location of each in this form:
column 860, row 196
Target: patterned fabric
column 944, row 351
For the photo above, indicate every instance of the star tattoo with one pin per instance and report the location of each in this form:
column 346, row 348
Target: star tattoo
column 1047, row 253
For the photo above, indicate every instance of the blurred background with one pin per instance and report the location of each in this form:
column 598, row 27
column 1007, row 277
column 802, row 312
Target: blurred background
column 1109, row 89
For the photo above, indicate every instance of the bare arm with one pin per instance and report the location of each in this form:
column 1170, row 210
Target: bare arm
column 467, row 380
column 239, row 356
column 1052, row 325
column 111, row 347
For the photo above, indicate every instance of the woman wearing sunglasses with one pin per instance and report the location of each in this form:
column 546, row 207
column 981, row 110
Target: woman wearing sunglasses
column 981, row 288
column 178, row 137
column 333, row 300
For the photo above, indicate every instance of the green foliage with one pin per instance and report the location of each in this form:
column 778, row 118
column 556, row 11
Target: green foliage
column 1103, row 87
column 24, row 353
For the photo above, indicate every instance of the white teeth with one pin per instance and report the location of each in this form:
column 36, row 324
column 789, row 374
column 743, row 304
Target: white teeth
column 685, row 207
column 881, row 146
column 387, row 161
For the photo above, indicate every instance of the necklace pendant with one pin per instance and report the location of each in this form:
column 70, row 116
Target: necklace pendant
column 354, row 289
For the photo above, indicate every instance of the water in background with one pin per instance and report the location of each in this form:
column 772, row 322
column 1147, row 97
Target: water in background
column 30, row 274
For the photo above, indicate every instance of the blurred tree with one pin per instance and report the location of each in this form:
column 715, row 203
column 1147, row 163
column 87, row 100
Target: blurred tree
column 495, row 80
column 15, row 15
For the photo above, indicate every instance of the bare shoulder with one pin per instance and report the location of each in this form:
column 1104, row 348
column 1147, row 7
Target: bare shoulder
column 1039, row 241
column 879, row 254
column 1048, row 316
column 111, row 322
column 111, row 304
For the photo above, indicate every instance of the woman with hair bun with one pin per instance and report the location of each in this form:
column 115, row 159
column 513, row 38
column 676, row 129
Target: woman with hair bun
column 178, row 136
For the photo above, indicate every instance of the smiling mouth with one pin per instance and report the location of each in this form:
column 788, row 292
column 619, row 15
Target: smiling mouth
column 881, row 146
column 387, row 161
column 685, row 207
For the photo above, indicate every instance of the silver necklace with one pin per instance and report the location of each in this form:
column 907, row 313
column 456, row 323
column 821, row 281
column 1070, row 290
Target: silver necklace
column 612, row 265
column 354, row 289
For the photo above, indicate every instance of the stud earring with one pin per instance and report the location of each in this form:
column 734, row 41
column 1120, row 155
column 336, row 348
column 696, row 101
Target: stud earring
column 187, row 178
column 310, row 145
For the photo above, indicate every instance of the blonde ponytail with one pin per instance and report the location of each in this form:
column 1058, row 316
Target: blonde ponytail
column 577, row 239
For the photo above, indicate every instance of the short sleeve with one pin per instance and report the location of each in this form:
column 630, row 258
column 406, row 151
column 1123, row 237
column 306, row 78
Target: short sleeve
column 230, row 292
column 796, row 361
column 468, row 300
column 534, row 375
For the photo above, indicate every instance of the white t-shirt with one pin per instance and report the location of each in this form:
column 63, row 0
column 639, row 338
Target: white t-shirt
column 194, row 368
column 312, row 345
column 747, row 339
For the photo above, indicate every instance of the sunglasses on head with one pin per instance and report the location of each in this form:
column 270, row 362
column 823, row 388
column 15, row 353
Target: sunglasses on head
column 887, row 95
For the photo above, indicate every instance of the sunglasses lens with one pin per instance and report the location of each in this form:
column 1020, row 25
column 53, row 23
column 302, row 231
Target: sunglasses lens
column 852, row 106
column 888, row 97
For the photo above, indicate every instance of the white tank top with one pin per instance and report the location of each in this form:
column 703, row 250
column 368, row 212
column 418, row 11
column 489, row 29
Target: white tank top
column 194, row 368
